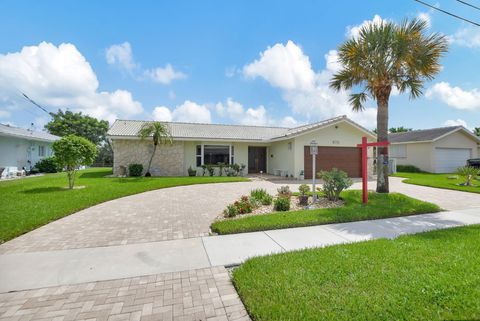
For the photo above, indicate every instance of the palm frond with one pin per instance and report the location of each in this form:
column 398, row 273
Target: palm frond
column 357, row 101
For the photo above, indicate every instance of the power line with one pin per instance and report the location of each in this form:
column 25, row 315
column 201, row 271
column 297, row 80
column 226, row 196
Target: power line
column 448, row 13
column 469, row 4
column 35, row 103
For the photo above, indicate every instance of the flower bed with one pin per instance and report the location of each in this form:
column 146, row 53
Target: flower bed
column 260, row 202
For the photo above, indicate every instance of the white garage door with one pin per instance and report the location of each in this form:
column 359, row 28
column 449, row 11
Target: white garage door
column 447, row 160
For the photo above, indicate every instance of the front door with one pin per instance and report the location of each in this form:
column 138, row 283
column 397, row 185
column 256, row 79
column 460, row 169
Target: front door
column 257, row 159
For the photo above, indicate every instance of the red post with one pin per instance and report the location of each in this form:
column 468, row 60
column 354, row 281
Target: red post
column 364, row 145
column 364, row 171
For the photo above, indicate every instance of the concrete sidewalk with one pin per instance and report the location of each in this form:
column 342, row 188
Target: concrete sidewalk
column 21, row 271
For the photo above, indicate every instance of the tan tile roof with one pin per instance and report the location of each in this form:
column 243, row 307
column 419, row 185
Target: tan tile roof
column 130, row 128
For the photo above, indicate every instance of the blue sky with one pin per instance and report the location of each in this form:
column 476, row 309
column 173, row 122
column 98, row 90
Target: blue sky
column 251, row 62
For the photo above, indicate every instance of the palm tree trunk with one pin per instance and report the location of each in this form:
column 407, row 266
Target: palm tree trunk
column 151, row 158
column 382, row 136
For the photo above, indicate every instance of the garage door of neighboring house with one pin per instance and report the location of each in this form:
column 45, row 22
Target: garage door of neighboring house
column 348, row 159
column 447, row 160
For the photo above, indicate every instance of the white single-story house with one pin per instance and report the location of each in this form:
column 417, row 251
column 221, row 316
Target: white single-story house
column 21, row 147
column 435, row 150
column 273, row 150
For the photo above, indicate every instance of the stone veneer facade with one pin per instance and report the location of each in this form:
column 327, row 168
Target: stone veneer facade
column 168, row 159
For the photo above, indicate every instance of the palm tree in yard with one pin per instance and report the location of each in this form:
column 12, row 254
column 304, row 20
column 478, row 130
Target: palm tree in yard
column 386, row 56
column 160, row 134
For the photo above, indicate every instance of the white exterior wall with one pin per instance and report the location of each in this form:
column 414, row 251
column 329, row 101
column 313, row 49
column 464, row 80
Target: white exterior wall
column 422, row 155
column 281, row 155
column 339, row 135
column 16, row 152
column 419, row 155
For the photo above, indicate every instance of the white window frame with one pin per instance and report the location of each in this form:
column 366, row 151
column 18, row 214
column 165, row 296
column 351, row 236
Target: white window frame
column 398, row 151
column 231, row 152
column 41, row 151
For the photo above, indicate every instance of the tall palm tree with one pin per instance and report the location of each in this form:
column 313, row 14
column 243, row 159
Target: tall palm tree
column 160, row 134
column 385, row 56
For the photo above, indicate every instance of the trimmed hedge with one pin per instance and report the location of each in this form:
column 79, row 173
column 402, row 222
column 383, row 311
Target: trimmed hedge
column 409, row 169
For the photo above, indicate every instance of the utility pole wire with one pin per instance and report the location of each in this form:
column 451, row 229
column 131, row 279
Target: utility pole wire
column 469, row 4
column 35, row 103
column 448, row 13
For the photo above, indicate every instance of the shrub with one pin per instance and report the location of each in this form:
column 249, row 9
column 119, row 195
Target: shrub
column 281, row 204
column 135, row 170
column 221, row 166
column 48, row 165
column 267, row 199
column 258, row 193
column 231, row 211
column 244, row 205
column 469, row 173
column 284, row 191
column 192, row 171
column 409, row 169
column 304, row 189
column 210, row 169
column 334, row 182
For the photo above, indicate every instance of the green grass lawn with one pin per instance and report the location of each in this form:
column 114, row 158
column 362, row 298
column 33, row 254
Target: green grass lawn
column 379, row 206
column 439, row 181
column 32, row 202
column 427, row 276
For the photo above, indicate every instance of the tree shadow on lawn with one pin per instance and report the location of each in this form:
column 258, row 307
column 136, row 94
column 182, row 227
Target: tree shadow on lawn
column 100, row 174
column 42, row 190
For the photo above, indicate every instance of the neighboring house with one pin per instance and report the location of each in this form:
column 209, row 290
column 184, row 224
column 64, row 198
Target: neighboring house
column 274, row 150
column 21, row 147
column 436, row 150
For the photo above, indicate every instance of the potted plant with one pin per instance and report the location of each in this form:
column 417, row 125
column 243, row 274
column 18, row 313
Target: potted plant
column 302, row 175
column 192, row 172
column 303, row 197
column 242, row 168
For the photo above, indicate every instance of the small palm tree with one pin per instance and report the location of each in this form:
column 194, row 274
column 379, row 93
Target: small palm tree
column 160, row 134
column 384, row 56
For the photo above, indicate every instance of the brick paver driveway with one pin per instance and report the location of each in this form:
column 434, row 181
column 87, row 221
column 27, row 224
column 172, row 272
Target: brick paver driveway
column 160, row 215
column 166, row 214
column 179, row 212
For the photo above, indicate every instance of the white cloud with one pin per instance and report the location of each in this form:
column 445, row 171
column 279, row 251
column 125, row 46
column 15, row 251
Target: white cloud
column 455, row 97
column 120, row 55
column 5, row 114
column 164, row 75
column 283, row 66
column 333, row 64
column 189, row 112
column 231, row 71
column 60, row 77
column 456, row 122
column 230, row 109
column 354, row 31
column 255, row 116
column 467, row 37
column 162, row 113
column 192, row 112
column 425, row 16
column 306, row 92
column 236, row 112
